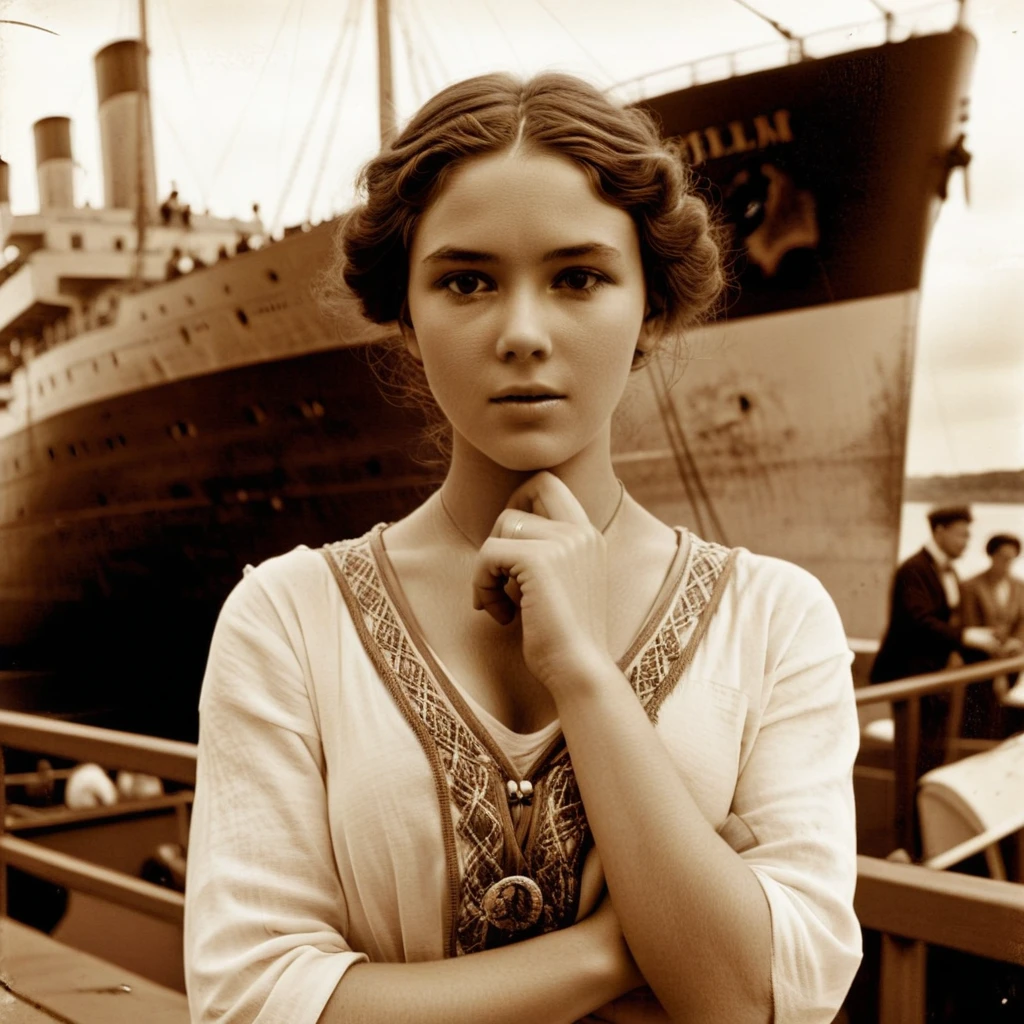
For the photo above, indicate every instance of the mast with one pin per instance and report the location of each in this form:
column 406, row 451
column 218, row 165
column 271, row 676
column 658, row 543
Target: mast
column 141, row 127
column 385, row 85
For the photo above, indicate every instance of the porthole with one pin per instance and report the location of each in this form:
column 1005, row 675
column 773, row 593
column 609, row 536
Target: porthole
column 185, row 336
column 95, row 366
column 53, row 454
column 142, row 315
column 227, row 289
column 72, row 450
column 272, row 274
column 123, row 440
column 110, row 443
column 242, row 318
column 113, row 358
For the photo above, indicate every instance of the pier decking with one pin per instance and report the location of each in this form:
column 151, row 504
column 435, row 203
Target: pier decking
column 43, row 981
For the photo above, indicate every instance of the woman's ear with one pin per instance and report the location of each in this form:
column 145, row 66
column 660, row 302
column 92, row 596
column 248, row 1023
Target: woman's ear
column 651, row 331
column 408, row 332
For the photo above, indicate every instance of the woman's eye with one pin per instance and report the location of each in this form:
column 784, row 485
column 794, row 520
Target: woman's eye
column 579, row 280
column 464, row 284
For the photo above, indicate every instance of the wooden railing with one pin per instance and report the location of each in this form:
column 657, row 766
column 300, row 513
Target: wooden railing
column 910, row 691
column 911, row 905
column 167, row 759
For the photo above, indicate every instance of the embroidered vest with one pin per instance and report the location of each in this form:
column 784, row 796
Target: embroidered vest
column 517, row 878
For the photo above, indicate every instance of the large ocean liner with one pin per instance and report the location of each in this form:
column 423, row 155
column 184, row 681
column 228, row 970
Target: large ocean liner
column 157, row 435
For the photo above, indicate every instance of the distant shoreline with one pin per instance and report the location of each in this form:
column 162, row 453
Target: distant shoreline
column 997, row 487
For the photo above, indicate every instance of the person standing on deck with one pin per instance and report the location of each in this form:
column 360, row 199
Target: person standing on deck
column 926, row 630
column 995, row 598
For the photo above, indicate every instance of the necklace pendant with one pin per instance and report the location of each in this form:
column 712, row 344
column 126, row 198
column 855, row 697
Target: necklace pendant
column 519, row 792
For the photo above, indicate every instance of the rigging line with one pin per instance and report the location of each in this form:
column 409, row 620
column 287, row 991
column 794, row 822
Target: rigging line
column 558, row 21
column 346, row 73
column 430, row 78
column 698, row 479
column 411, row 60
column 288, row 96
column 251, row 95
column 504, row 34
column 431, row 48
column 659, row 387
column 784, row 32
column 332, row 63
column 204, row 189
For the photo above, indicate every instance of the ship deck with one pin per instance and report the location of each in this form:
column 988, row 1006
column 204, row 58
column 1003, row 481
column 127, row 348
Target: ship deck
column 43, row 981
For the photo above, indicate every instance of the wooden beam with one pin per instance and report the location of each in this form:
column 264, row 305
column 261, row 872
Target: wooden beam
column 67, row 985
column 80, row 875
column 974, row 915
column 902, row 987
column 167, row 759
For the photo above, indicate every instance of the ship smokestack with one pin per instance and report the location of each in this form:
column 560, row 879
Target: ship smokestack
column 54, row 166
column 120, row 68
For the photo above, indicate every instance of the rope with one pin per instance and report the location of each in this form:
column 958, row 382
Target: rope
column 411, row 58
column 317, row 105
column 689, row 471
column 504, row 34
column 346, row 71
column 204, row 192
column 558, row 21
column 288, row 94
column 431, row 49
column 252, row 94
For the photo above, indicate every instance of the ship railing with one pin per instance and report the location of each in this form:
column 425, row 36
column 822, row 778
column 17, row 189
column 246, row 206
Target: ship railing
column 170, row 760
column 891, row 26
column 912, row 906
column 909, row 692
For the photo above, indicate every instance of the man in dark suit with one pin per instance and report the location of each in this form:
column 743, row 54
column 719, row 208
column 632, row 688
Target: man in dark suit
column 925, row 631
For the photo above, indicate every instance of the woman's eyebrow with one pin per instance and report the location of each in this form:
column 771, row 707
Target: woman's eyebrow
column 585, row 249
column 449, row 254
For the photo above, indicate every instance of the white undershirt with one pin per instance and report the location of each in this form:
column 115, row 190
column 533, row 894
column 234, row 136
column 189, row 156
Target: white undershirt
column 947, row 574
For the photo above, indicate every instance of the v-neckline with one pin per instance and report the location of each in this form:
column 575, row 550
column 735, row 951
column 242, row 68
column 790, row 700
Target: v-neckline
column 407, row 621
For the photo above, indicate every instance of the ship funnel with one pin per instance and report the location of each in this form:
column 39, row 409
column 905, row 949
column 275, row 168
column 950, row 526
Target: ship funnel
column 54, row 166
column 120, row 81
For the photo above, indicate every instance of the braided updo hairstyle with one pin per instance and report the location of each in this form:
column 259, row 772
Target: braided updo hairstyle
column 620, row 151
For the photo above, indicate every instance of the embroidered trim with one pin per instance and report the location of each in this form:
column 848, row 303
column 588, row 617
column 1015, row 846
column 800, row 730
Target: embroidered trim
column 559, row 836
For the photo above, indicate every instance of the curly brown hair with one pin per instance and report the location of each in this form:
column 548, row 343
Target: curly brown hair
column 618, row 148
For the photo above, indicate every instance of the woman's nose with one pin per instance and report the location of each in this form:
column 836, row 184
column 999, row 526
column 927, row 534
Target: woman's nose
column 523, row 332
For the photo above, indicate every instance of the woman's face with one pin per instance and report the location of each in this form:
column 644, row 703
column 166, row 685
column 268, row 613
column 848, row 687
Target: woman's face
column 527, row 298
column 1002, row 558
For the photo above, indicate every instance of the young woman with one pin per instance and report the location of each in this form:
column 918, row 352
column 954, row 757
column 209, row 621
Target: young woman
column 528, row 754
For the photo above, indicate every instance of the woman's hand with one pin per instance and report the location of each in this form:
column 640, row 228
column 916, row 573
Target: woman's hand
column 546, row 559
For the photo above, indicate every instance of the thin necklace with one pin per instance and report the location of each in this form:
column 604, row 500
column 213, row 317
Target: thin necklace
column 452, row 520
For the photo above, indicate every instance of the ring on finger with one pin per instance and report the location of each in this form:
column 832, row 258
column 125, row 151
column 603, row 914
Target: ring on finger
column 518, row 527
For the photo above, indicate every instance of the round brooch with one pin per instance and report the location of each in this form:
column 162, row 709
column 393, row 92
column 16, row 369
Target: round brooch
column 514, row 903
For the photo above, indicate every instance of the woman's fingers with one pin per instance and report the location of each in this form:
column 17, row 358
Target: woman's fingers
column 546, row 495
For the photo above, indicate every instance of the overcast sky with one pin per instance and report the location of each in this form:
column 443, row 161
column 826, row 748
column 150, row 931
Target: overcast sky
column 244, row 108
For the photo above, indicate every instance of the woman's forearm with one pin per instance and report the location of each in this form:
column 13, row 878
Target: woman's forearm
column 682, row 895
column 552, row 979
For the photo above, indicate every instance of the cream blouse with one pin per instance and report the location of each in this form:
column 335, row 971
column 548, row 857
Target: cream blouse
column 347, row 790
